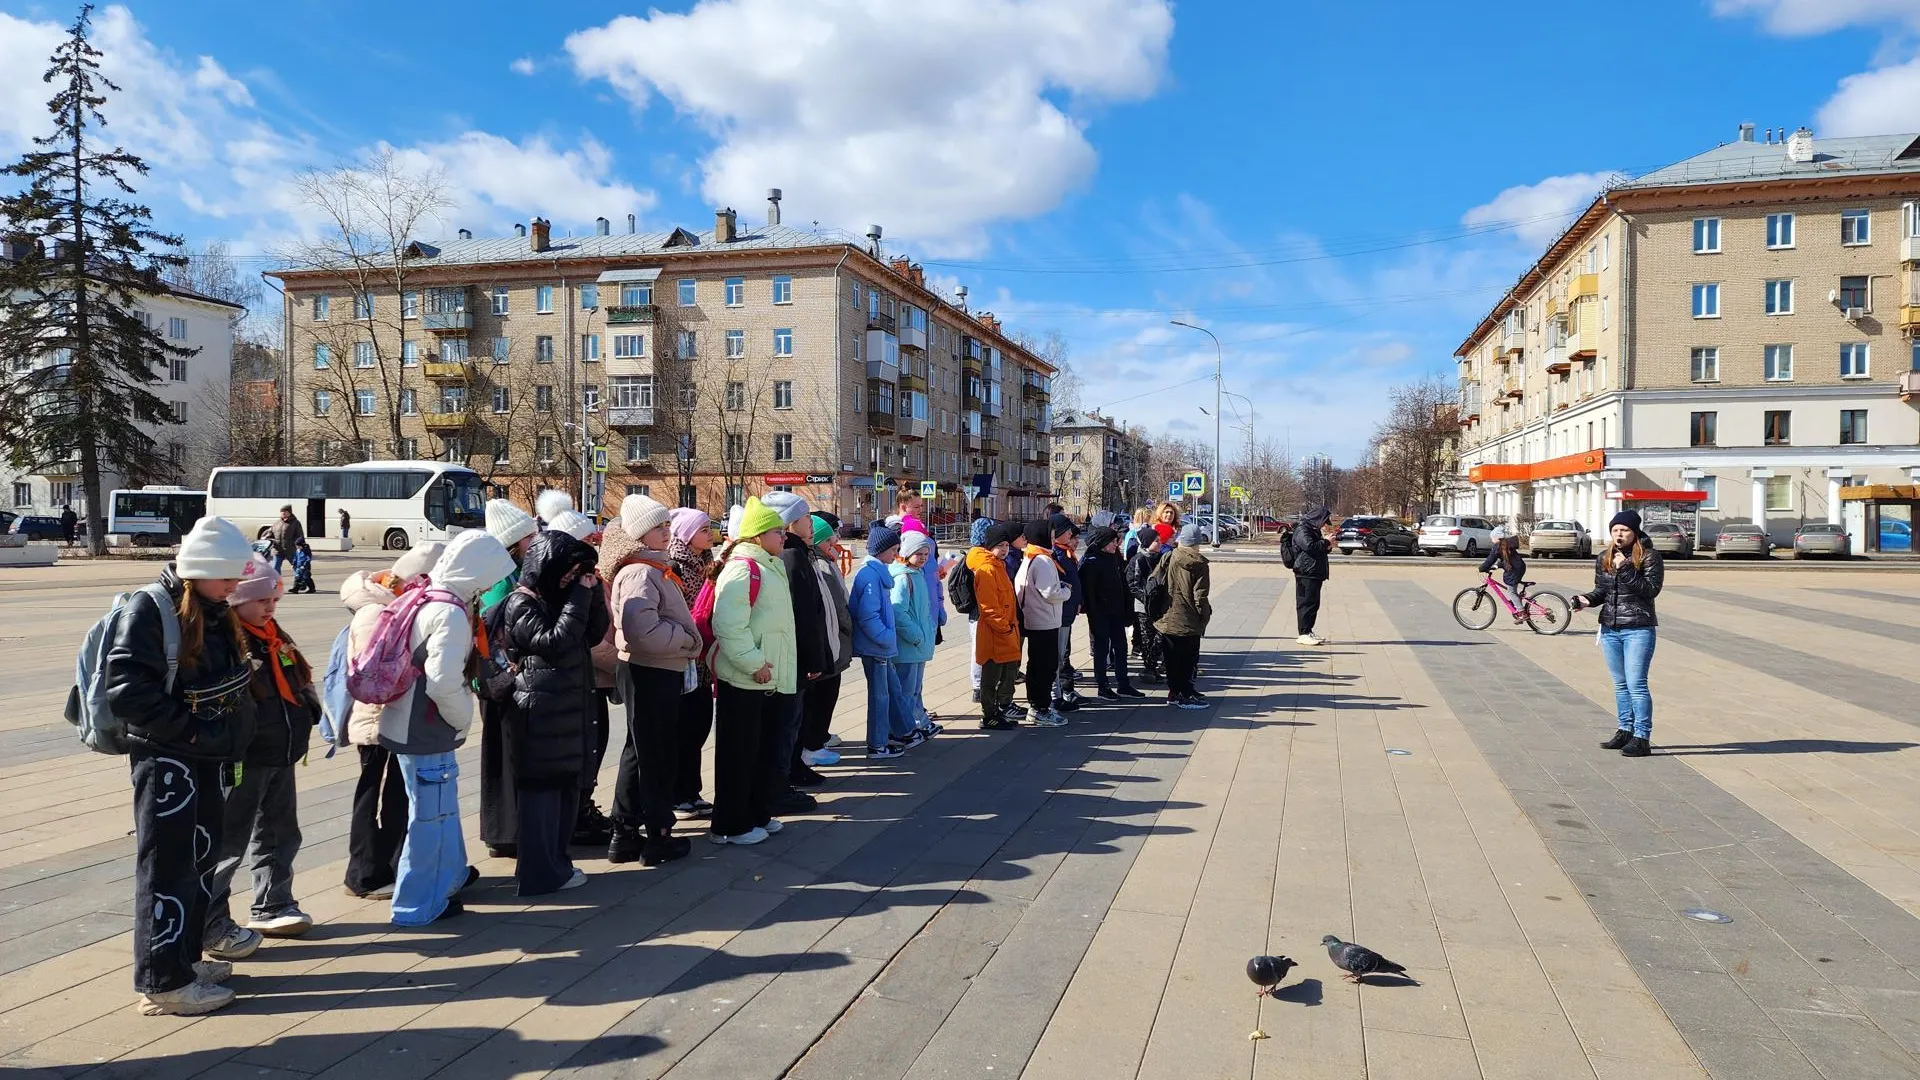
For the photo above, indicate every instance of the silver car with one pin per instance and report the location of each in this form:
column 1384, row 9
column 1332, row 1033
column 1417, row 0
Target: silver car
column 1821, row 538
column 1670, row 540
column 1560, row 538
column 1742, row 540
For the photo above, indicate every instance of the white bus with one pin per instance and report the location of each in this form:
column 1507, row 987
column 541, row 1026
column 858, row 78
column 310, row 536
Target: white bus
column 155, row 514
column 390, row 504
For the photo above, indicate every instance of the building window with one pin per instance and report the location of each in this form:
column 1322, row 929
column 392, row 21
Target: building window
column 322, row 356
column 1779, row 230
column 689, row 395
column 1706, row 301
column 1711, row 486
column 1702, row 428
column 453, row 399
column 502, row 453
column 1706, row 235
column 783, row 394
column 543, row 348
column 589, row 297
column 366, row 449
column 1779, row 492
column 322, row 403
column 736, row 449
column 736, row 344
column 783, row 288
column 1780, row 297
column 501, row 348
column 453, row 350
column 363, row 306
column 1853, row 360
column 636, row 293
column 501, row 399
column 409, row 354
column 543, row 399
column 1854, row 293
column 736, row 292
column 629, row 346
column 177, row 370
column 633, row 391
column 363, row 402
column 689, row 344
column 783, row 447
column 363, row 354
column 409, row 401
column 687, row 295
column 736, row 396
column 1705, row 365
column 177, row 329
column 589, row 348
column 454, row 448
column 1779, row 363
column 1606, row 251
column 639, row 448
column 543, row 449
column 500, row 300
column 783, row 342
column 1853, row 427
column 543, row 300
column 22, row 493
column 409, row 449
column 321, row 306
column 410, row 305
column 1856, row 228
column 590, row 398
column 1777, row 428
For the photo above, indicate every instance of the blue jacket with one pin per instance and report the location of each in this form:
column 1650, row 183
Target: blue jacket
column 912, row 615
column 1070, row 574
column 936, row 591
column 871, row 601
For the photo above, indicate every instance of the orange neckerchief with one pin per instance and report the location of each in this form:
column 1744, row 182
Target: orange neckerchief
column 281, row 656
column 480, row 638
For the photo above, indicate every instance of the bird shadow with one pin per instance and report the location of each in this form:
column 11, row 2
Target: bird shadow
column 1307, row 992
column 1385, row 981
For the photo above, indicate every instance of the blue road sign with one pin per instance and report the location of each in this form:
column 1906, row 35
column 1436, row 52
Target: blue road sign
column 1175, row 489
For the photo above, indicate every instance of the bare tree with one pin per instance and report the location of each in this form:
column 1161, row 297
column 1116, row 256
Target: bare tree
column 1413, row 446
column 1052, row 347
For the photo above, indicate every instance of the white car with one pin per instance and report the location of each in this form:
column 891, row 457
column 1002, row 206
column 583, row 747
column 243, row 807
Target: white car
column 1230, row 527
column 1468, row 536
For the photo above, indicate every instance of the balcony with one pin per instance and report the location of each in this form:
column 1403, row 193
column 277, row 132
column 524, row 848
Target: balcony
column 971, row 365
column 971, row 442
column 913, row 337
column 911, row 428
column 1552, row 308
column 1909, row 385
column 1030, row 455
column 447, row 322
column 632, row 314
column 992, row 408
column 629, row 416
column 973, row 400
column 880, row 420
column 440, row 422
column 990, row 447
column 880, row 320
column 883, row 371
column 1514, row 389
column 447, row 370
column 1910, row 249
column 913, row 378
column 1042, row 457
column 1910, row 318
column 1035, row 389
column 1582, row 287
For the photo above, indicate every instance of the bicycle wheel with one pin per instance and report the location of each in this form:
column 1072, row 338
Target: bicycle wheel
column 1548, row 612
column 1474, row 608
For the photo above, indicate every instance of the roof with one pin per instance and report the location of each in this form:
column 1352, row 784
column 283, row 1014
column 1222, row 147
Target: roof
column 593, row 246
column 1748, row 161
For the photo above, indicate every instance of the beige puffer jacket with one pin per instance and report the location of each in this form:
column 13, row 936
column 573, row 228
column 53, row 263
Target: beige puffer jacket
column 364, row 597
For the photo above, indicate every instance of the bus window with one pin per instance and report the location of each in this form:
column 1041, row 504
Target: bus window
column 309, row 485
column 272, row 485
column 467, row 501
column 437, row 504
column 347, row 484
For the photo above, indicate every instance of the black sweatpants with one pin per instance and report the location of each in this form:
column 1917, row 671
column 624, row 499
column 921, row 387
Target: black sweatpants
column 499, row 812
column 379, row 823
column 821, row 697
column 1183, row 659
column 1306, row 601
column 643, row 791
column 696, row 724
column 778, row 753
column 546, row 816
column 1043, row 663
column 177, row 812
column 599, row 730
column 743, row 720
column 1109, row 633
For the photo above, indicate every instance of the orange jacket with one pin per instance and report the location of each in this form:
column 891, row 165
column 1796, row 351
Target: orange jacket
column 998, row 639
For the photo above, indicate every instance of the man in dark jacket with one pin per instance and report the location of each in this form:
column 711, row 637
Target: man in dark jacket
column 811, row 650
column 287, row 535
column 1065, row 536
column 1312, row 551
column 1139, row 575
column 69, row 525
column 1109, row 607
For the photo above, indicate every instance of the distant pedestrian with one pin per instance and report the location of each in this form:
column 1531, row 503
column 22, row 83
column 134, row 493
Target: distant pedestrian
column 1627, row 576
column 1312, row 563
column 287, row 536
column 346, row 530
column 1189, row 609
column 302, row 568
column 69, row 524
column 996, row 643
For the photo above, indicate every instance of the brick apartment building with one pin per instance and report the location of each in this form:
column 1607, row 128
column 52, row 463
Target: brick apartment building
column 1098, row 465
column 709, row 366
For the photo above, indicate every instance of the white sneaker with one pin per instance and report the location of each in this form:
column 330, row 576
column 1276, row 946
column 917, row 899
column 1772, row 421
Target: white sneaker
column 290, row 923
column 1046, row 719
column 578, row 879
column 1309, row 639
column 236, row 944
column 773, row 826
column 832, row 740
column 212, row 972
column 750, row 837
column 819, row 757
column 193, row 999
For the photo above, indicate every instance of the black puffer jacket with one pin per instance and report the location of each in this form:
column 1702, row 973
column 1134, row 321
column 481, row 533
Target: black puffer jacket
column 281, row 729
column 220, row 729
column 1625, row 597
column 1139, row 569
column 549, row 631
column 1103, row 585
column 1312, row 554
column 809, row 609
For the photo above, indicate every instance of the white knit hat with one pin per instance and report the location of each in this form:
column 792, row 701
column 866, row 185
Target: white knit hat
column 574, row 524
column 213, row 550
column 733, row 520
column 551, row 504
column 640, row 515
column 418, row 561
column 508, row 523
column 259, row 582
column 914, row 542
column 789, row 506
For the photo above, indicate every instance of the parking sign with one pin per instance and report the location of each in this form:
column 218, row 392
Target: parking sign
column 1175, row 489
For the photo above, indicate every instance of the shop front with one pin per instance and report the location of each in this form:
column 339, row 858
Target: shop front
column 1657, row 507
column 1570, row 487
column 1880, row 517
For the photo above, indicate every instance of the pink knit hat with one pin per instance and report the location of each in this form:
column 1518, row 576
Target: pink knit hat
column 687, row 523
column 260, row 582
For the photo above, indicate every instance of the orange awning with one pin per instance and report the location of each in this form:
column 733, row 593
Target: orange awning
column 1585, row 461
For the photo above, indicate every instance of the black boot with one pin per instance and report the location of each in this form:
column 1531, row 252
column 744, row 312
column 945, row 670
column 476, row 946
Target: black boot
column 624, row 846
column 591, row 828
column 664, row 848
column 1636, row 747
column 1619, row 740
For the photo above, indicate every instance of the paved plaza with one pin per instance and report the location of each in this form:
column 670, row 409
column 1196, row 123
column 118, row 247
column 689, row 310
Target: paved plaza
column 1080, row 904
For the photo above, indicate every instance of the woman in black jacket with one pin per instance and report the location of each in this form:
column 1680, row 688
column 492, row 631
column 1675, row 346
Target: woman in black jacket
column 181, row 727
column 1153, row 547
column 548, row 625
column 1109, row 607
column 1626, row 577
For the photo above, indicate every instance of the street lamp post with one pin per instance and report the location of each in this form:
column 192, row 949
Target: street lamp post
column 1217, row 391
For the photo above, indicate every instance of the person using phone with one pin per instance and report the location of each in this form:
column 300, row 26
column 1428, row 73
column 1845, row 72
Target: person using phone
column 1627, row 575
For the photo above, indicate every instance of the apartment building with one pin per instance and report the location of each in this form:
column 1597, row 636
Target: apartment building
column 1727, row 339
column 708, row 366
column 1098, row 465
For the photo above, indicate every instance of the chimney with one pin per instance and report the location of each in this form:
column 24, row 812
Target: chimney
column 773, row 206
column 466, row 234
column 1800, row 146
column 725, row 225
column 519, row 229
column 873, row 240
column 630, row 223
column 542, row 234
column 902, row 266
column 918, row 275
column 1746, row 132
column 601, row 226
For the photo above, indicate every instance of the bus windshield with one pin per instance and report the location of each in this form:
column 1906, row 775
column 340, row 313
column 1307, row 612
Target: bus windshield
column 466, row 501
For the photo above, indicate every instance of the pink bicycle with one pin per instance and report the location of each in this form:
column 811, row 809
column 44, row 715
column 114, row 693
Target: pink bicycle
column 1543, row 610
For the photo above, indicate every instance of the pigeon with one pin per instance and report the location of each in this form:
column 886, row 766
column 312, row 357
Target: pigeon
column 1268, row 972
column 1358, row 960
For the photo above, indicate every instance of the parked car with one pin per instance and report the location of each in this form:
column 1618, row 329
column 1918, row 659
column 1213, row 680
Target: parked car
column 1445, row 532
column 1263, row 523
column 1741, row 540
column 1670, row 540
column 1560, row 538
column 1820, row 538
column 1895, row 535
column 1230, row 527
column 7, row 518
column 1379, row 535
column 39, row 527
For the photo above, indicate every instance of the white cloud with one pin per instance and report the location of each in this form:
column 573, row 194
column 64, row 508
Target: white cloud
column 489, row 175
column 1877, row 102
column 969, row 112
column 1795, row 17
column 523, row 66
column 1538, row 212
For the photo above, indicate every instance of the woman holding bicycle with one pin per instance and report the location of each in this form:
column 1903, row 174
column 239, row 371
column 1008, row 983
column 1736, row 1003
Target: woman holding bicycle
column 1626, row 577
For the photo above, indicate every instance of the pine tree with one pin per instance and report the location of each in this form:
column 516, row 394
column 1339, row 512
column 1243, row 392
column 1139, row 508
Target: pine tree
column 77, row 260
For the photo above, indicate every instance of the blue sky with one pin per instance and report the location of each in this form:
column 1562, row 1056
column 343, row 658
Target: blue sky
column 1338, row 198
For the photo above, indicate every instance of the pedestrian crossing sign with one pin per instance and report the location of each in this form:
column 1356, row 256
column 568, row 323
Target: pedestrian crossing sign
column 1196, row 483
column 599, row 459
column 929, row 489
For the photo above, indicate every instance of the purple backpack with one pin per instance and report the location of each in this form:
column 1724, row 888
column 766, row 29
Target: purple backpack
column 384, row 671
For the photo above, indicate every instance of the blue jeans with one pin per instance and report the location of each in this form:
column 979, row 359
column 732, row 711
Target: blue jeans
column 1629, row 654
column 433, row 861
column 884, row 716
column 910, row 711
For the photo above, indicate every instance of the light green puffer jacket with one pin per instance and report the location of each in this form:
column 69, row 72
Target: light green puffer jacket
column 748, row 635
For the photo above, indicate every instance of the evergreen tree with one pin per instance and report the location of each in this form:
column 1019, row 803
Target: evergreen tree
column 76, row 262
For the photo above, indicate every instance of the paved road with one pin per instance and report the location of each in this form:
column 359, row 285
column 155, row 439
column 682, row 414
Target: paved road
column 1079, row 903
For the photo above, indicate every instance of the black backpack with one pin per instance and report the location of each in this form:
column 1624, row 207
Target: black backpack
column 1158, row 596
column 960, row 589
column 1287, row 550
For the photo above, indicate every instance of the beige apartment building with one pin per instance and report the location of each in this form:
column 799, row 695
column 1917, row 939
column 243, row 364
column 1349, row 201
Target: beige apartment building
column 1727, row 339
column 700, row 367
column 1098, row 465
